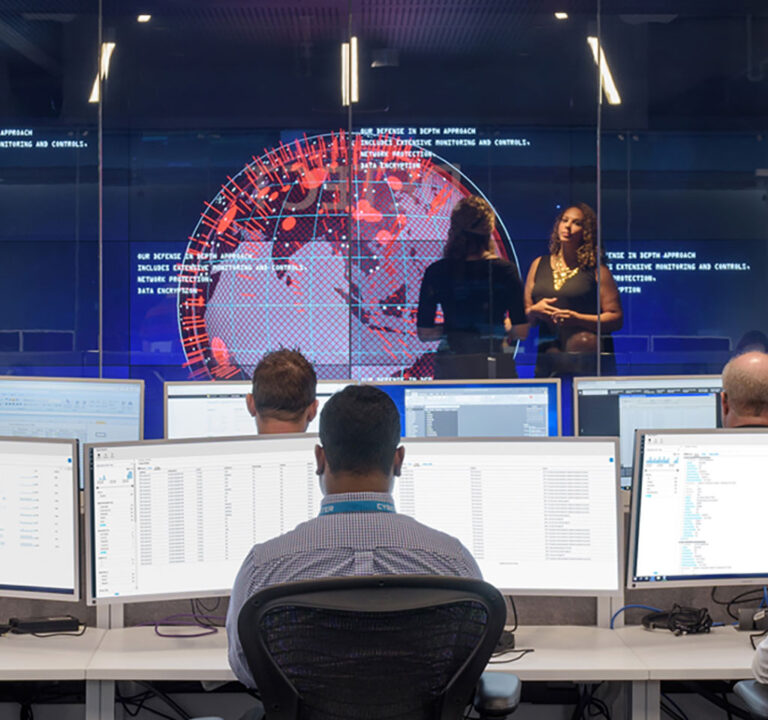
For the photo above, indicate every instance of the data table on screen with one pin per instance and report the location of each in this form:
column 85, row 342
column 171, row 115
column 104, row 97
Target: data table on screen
column 38, row 519
column 537, row 516
column 178, row 518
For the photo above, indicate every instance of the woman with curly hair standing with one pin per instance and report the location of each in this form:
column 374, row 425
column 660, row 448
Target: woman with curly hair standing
column 481, row 296
column 561, row 294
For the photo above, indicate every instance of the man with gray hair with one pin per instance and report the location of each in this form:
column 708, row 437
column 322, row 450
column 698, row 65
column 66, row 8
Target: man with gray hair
column 745, row 391
column 745, row 404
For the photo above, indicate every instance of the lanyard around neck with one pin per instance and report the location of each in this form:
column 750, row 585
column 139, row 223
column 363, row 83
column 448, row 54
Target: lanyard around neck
column 357, row 506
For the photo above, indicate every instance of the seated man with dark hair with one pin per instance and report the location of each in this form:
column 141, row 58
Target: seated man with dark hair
column 358, row 531
column 283, row 398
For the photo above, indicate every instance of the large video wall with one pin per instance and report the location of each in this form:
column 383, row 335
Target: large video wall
column 220, row 201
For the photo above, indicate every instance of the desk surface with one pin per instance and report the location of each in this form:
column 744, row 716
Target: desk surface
column 138, row 653
column 722, row 654
column 567, row 652
column 62, row 657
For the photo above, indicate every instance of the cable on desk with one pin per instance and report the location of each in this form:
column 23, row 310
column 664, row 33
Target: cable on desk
column 183, row 620
column 628, row 607
column 81, row 631
column 680, row 620
column 521, row 652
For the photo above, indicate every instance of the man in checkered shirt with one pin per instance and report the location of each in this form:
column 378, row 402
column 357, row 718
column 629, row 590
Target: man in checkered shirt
column 358, row 531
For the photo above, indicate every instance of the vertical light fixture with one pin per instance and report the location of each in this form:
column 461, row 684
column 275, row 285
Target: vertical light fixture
column 606, row 78
column 107, row 49
column 350, row 89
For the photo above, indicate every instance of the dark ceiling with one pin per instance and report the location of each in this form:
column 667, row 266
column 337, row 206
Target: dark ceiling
column 678, row 63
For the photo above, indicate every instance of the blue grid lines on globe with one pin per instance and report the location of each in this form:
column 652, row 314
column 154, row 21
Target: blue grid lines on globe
column 271, row 262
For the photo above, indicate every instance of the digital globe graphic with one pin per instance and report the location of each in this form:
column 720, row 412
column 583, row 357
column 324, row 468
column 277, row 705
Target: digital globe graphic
column 320, row 245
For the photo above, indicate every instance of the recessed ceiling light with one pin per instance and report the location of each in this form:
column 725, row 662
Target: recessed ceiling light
column 144, row 18
column 561, row 15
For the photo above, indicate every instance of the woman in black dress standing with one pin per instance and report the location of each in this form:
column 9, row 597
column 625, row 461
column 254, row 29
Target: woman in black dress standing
column 561, row 294
column 481, row 296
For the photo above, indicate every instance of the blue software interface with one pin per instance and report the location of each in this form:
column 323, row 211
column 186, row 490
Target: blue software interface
column 477, row 409
column 87, row 410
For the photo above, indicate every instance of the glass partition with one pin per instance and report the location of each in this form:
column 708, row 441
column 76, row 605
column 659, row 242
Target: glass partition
column 48, row 189
column 215, row 119
column 496, row 100
column 244, row 206
column 683, row 179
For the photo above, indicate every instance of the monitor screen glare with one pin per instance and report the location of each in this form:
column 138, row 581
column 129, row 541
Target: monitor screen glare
column 39, row 512
column 698, row 509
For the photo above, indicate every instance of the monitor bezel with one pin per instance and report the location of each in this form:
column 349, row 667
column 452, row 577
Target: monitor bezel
column 75, row 497
column 220, row 384
column 483, row 382
column 619, row 510
column 89, row 523
column 636, row 502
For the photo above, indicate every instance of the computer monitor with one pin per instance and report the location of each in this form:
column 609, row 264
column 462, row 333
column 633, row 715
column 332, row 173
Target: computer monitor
column 698, row 508
column 39, row 514
column 540, row 516
column 620, row 405
column 176, row 518
column 477, row 408
column 217, row 409
column 89, row 410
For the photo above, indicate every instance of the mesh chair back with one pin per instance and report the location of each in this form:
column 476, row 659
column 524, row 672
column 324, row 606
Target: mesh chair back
column 384, row 648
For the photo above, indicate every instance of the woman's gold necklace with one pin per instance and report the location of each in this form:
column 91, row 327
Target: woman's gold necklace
column 561, row 273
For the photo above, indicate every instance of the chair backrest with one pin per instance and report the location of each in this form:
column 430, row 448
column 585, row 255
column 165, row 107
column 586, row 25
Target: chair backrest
column 396, row 647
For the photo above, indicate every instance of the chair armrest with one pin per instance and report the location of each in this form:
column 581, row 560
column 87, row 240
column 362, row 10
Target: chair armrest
column 754, row 695
column 497, row 694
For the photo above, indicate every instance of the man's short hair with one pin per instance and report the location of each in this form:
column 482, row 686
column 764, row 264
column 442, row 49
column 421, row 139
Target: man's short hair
column 747, row 392
column 360, row 430
column 284, row 385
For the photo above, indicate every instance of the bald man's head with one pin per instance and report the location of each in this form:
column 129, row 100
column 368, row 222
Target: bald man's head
column 745, row 390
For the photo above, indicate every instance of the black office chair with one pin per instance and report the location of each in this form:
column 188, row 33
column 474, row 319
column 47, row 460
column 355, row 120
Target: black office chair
column 755, row 697
column 396, row 647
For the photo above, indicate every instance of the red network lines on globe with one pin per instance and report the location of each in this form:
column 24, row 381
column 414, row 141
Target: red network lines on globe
column 274, row 262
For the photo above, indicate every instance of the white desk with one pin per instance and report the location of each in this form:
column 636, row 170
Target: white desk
column 722, row 654
column 138, row 653
column 62, row 657
column 569, row 652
